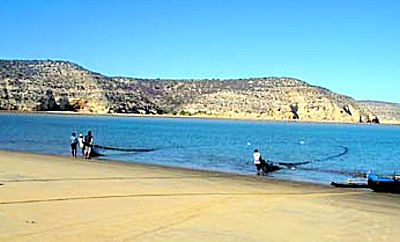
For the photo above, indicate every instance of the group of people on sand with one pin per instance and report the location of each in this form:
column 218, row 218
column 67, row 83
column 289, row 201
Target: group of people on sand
column 85, row 144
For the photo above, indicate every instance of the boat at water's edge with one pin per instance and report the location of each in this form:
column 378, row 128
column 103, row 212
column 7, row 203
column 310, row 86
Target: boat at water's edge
column 384, row 183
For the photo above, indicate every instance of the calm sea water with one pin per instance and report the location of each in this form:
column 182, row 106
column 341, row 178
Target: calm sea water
column 221, row 145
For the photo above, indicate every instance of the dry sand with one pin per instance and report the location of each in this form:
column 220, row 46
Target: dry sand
column 53, row 198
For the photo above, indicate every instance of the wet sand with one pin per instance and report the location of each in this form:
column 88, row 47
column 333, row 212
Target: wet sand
column 55, row 198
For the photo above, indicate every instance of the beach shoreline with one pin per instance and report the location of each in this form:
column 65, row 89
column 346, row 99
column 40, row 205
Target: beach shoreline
column 57, row 198
column 262, row 178
column 73, row 113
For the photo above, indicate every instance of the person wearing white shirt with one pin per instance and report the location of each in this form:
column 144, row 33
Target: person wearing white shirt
column 81, row 145
column 257, row 161
column 74, row 142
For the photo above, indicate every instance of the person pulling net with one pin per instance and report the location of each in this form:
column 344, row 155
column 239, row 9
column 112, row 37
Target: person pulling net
column 263, row 166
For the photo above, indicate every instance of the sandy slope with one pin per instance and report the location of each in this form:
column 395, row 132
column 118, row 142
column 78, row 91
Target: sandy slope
column 51, row 198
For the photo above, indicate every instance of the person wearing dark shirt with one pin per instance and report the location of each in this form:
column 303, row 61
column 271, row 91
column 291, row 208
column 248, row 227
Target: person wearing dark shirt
column 88, row 144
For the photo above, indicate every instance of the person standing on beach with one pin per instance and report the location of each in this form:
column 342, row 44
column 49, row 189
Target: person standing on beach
column 81, row 145
column 257, row 161
column 88, row 144
column 74, row 142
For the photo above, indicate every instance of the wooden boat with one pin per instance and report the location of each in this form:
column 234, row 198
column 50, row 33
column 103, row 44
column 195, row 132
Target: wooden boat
column 384, row 183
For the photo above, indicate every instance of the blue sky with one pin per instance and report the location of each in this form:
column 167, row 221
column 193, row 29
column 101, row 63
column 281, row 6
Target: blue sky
column 351, row 47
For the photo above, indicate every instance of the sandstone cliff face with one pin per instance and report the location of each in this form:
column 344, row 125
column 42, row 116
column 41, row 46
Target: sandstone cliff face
column 23, row 84
column 58, row 85
column 290, row 102
column 387, row 112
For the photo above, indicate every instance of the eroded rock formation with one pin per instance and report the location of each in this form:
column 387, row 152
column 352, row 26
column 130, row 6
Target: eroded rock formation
column 59, row 85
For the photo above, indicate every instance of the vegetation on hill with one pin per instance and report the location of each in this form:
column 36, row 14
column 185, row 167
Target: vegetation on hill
column 59, row 85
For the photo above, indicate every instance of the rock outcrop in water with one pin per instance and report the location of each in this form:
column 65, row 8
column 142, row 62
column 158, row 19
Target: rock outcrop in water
column 60, row 85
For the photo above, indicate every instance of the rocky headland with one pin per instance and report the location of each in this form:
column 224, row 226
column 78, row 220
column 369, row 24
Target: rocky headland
column 64, row 86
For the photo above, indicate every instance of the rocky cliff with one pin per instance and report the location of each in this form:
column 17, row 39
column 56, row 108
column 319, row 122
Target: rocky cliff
column 60, row 85
column 388, row 112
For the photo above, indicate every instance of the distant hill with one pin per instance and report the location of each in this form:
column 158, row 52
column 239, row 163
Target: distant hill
column 60, row 85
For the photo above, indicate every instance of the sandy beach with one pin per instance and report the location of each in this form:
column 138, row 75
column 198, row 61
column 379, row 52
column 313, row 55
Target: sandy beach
column 55, row 198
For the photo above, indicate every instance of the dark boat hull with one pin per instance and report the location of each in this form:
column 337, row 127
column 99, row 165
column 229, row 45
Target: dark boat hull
column 349, row 185
column 384, row 183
